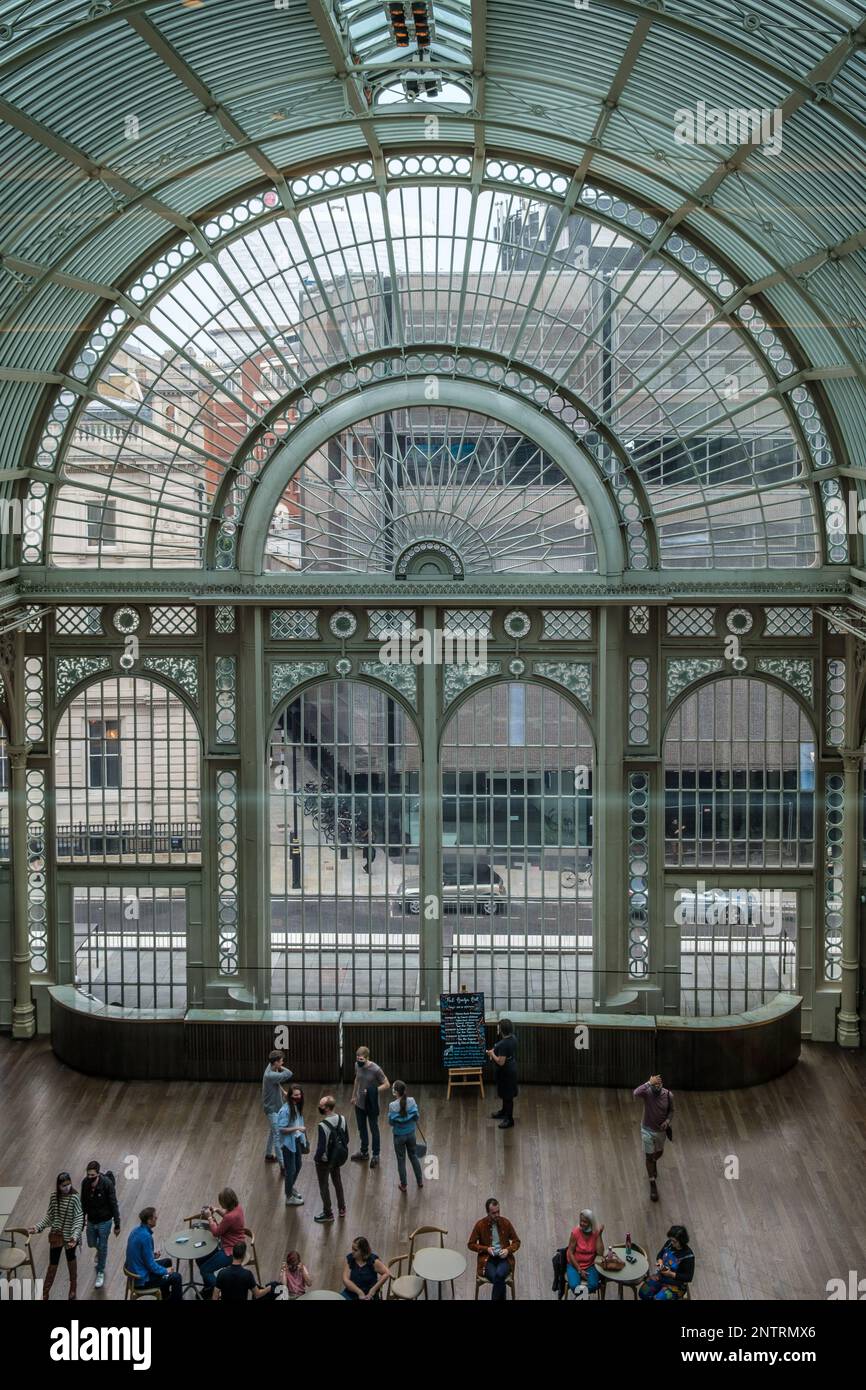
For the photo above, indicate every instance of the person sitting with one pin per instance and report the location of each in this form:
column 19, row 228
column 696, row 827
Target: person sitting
column 295, row 1278
column 675, row 1268
column 583, row 1246
column 364, row 1274
column 495, row 1241
column 234, row 1284
column 227, row 1223
column 142, row 1261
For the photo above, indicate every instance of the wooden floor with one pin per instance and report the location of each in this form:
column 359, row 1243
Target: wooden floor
column 794, row 1218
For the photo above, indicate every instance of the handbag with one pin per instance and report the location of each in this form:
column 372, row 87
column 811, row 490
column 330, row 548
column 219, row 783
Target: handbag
column 420, row 1149
column 55, row 1240
column 611, row 1261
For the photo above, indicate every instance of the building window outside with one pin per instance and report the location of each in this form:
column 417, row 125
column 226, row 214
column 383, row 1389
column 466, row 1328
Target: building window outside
column 103, row 753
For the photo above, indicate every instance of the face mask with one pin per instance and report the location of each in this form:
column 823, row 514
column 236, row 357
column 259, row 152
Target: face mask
column 322, row 1110
column 657, row 1090
column 65, row 1187
column 359, row 1062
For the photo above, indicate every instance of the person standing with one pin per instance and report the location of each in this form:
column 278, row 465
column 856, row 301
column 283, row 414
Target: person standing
column 276, row 1076
column 504, row 1057
column 658, row 1108
column 369, row 1081
column 141, row 1261
column 403, row 1116
column 65, row 1222
column 495, row 1242
column 290, row 1127
column 99, row 1204
column 332, row 1150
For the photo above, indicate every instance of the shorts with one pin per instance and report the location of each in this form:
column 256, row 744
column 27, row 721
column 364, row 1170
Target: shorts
column 653, row 1140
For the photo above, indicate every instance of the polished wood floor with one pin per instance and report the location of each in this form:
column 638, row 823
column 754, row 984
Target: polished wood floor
column 794, row 1218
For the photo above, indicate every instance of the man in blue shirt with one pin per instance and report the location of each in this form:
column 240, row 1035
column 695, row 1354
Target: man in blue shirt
column 149, row 1272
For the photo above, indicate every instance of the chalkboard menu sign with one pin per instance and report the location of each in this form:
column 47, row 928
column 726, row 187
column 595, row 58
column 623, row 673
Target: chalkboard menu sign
column 462, row 1030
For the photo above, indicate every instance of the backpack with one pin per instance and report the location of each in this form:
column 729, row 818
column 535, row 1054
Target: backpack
column 337, row 1147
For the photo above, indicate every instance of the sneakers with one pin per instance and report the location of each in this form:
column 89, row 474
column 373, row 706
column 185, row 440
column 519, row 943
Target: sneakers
column 374, row 1161
column 100, row 1280
column 296, row 1193
column 506, row 1124
column 325, row 1217
column 402, row 1186
column 294, row 1201
column 420, row 1187
column 270, row 1158
column 342, row 1211
column 359, row 1158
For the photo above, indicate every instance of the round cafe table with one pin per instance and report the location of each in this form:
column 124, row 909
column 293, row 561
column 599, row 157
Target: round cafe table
column 629, row 1276
column 320, row 1295
column 439, row 1266
column 193, row 1243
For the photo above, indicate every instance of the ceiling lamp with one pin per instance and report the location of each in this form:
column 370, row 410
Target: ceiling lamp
column 411, row 23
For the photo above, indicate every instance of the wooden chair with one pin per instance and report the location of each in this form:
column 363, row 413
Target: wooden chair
column 134, row 1293
column 252, row 1259
column 14, row 1256
column 426, row 1231
column 481, row 1283
column 406, row 1286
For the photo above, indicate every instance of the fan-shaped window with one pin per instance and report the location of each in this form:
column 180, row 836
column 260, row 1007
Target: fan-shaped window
column 494, row 499
column 182, row 396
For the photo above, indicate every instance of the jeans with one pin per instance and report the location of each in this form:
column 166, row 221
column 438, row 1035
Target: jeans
column 323, row 1173
column 171, row 1285
column 497, row 1271
column 362, row 1117
column 97, row 1239
column 403, row 1145
column 576, row 1276
column 274, row 1145
column 292, row 1161
column 210, row 1265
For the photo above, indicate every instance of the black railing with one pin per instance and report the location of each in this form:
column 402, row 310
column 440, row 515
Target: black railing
column 157, row 837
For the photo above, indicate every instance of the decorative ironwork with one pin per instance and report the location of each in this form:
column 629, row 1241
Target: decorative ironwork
column 788, row 622
column 384, row 622
column 834, row 874
column 34, row 699
column 343, row 667
column 402, row 677
column 173, row 621
column 74, row 622
column 517, row 624
column 739, row 621
column 343, row 623
column 639, row 620
column 638, row 700
column 836, row 690
column 224, row 619
column 576, row 676
column 456, row 679
column 478, row 621
column 226, row 680
column 72, row 670
column 37, row 893
column 295, row 624
column 798, row 673
column 127, row 620
column 567, row 625
column 638, row 875
column 691, row 622
column 681, row 673
column 285, row 675
column 227, row 833
column 183, row 670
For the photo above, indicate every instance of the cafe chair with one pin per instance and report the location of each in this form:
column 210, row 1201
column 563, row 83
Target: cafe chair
column 252, row 1259
column 427, row 1231
column 196, row 1221
column 134, row 1293
column 406, row 1286
column 481, row 1283
column 14, row 1256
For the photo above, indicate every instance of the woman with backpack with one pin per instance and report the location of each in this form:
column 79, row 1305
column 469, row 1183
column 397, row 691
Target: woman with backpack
column 99, row 1204
column 65, row 1222
column 403, row 1118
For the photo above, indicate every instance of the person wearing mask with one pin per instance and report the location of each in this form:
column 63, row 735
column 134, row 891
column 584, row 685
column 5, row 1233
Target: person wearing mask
column 674, row 1271
column 275, row 1077
column 227, row 1223
column 658, row 1109
column 332, row 1148
column 495, row 1242
column 142, row 1261
column 403, row 1118
column 364, row 1274
column 65, row 1222
column 584, row 1244
column 290, row 1127
column 234, row 1283
column 369, row 1081
column 503, row 1055
column 295, row 1278
column 99, row 1204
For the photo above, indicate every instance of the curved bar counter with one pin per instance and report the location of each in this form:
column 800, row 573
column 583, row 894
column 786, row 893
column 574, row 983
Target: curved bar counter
column 707, row 1054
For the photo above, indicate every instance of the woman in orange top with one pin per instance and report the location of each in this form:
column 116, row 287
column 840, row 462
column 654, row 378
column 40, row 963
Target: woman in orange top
column 585, row 1243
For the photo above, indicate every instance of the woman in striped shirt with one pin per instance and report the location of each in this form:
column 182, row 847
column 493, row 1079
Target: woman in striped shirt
column 65, row 1222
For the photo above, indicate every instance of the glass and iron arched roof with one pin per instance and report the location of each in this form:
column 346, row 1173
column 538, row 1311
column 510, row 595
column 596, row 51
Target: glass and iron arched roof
column 131, row 130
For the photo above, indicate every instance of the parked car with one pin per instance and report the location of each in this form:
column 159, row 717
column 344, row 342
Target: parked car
column 468, row 885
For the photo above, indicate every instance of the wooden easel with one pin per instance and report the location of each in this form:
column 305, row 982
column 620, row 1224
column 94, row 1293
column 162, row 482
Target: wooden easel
column 465, row 1076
